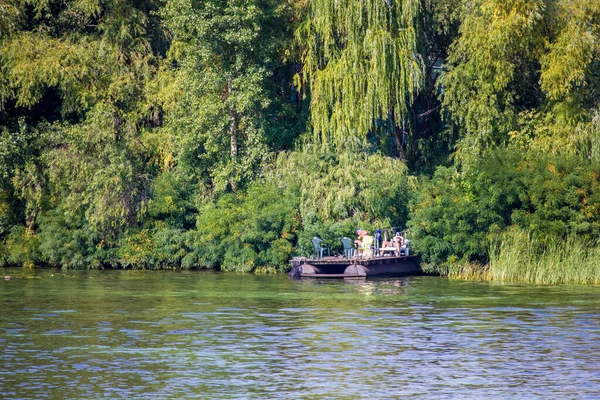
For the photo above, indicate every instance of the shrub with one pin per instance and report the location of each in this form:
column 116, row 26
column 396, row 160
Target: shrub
column 240, row 232
column 19, row 248
column 456, row 214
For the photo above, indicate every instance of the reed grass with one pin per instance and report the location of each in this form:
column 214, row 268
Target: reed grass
column 520, row 256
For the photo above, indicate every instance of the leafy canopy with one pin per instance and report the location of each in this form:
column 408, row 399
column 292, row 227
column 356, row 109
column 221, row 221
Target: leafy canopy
column 361, row 64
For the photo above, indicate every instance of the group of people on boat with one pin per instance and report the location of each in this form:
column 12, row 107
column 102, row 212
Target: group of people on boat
column 367, row 244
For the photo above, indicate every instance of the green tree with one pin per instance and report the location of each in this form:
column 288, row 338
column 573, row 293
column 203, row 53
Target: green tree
column 362, row 67
column 493, row 70
column 525, row 71
column 570, row 79
column 223, row 58
column 75, row 112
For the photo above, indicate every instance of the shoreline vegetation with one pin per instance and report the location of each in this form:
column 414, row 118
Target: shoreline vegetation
column 522, row 257
column 226, row 134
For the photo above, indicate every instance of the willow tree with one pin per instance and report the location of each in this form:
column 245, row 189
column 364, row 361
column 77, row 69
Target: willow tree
column 362, row 67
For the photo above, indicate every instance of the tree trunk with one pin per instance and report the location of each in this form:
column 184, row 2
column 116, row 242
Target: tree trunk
column 398, row 132
column 233, row 125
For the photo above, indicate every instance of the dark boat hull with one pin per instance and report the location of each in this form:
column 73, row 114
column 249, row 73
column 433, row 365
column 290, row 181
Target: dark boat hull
column 333, row 267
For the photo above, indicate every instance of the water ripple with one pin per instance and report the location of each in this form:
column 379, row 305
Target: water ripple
column 232, row 336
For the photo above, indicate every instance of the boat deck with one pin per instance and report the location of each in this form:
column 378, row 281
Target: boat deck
column 339, row 267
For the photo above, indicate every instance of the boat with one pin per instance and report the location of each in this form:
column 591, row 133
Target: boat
column 359, row 263
column 354, row 268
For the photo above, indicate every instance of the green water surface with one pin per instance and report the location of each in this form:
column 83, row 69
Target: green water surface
column 140, row 334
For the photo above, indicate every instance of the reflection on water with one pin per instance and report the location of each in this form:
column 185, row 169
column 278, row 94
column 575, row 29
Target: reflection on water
column 128, row 334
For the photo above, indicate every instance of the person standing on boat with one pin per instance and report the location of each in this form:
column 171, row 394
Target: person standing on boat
column 378, row 241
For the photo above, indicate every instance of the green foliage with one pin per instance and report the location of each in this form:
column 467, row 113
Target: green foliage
column 65, row 244
column 522, row 256
column 490, row 63
column 568, row 67
column 448, row 223
column 524, row 70
column 223, row 58
column 339, row 191
column 97, row 167
column 5, row 215
column 80, row 68
column 361, row 64
column 20, row 248
column 171, row 201
column 104, row 161
column 150, row 134
column 74, row 115
column 456, row 215
column 337, row 185
column 243, row 232
column 160, row 248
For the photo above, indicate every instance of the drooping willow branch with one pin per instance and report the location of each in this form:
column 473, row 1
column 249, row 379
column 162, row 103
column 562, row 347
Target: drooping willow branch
column 361, row 64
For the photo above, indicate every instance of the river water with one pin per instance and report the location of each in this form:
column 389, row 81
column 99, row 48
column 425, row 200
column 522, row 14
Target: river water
column 160, row 335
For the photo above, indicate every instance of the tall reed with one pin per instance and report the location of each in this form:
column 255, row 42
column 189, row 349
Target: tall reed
column 520, row 256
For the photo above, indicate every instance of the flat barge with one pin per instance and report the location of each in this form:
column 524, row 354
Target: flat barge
column 353, row 268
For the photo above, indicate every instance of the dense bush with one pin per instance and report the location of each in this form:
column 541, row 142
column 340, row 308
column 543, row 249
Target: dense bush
column 303, row 194
column 19, row 247
column 456, row 215
column 340, row 191
column 242, row 232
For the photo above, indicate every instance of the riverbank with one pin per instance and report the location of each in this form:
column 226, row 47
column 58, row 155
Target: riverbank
column 515, row 256
column 150, row 147
column 522, row 257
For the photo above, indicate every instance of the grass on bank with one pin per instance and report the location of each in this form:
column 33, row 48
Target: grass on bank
column 519, row 256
